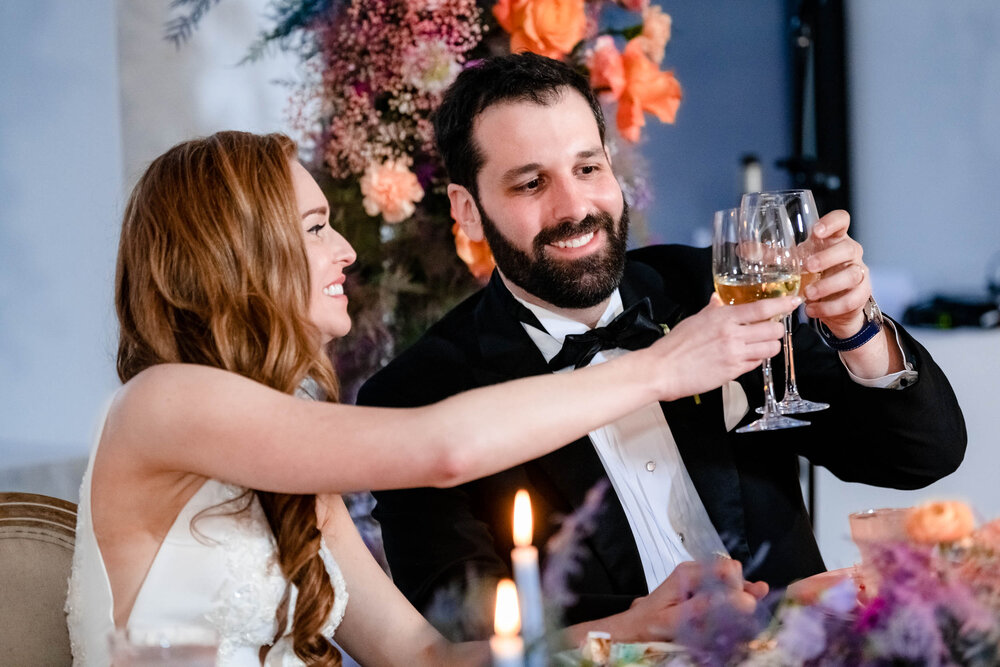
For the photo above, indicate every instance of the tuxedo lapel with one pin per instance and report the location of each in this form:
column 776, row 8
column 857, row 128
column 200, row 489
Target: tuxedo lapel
column 640, row 282
column 506, row 350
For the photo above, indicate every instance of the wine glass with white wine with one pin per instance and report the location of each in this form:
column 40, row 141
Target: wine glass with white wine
column 802, row 215
column 753, row 258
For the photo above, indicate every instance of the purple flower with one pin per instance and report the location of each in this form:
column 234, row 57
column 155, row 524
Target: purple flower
column 802, row 635
column 910, row 633
column 562, row 551
column 872, row 615
column 840, row 599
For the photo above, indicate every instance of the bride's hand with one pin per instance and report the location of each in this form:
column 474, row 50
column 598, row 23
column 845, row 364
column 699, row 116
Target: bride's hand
column 718, row 344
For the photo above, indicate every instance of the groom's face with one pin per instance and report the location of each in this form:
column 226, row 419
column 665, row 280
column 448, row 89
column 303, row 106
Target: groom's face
column 549, row 204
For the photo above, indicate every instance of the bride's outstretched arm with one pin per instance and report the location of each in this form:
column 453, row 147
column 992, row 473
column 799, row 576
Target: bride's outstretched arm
column 213, row 423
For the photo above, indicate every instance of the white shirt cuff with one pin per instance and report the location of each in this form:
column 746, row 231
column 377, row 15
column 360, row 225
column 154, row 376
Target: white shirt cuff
column 899, row 380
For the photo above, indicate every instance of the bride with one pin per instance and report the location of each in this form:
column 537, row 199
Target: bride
column 211, row 496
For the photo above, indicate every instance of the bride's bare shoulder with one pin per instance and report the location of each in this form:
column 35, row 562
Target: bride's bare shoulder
column 157, row 394
column 170, row 377
column 175, row 399
column 177, row 382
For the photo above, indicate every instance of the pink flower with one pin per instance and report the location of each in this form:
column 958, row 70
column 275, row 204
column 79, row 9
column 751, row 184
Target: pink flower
column 634, row 5
column 988, row 536
column 390, row 189
column 607, row 70
column 430, row 66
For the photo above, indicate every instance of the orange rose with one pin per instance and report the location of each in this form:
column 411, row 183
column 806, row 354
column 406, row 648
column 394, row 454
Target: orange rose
column 546, row 27
column 475, row 254
column 607, row 69
column 646, row 89
column 947, row 521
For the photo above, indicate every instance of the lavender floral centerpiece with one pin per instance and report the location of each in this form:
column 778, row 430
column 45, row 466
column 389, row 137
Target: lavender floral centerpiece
column 937, row 604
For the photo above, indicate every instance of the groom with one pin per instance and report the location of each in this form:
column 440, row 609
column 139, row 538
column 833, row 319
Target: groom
column 522, row 138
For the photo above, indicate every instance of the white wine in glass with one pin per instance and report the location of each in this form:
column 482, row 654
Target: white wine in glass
column 802, row 215
column 753, row 258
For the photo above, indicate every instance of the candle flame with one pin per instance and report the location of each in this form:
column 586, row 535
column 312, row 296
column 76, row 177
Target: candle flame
column 522, row 519
column 507, row 620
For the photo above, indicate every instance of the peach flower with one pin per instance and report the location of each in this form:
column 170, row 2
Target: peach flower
column 646, row 89
column 546, row 27
column 475, row 254
column 655, row 33
column 607, row 69
column 947, row 521
column 988, row 536
column 390, row 189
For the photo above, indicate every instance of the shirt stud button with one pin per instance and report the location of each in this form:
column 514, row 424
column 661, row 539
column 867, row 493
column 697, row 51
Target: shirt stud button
column 650, row 466
column 680, row 536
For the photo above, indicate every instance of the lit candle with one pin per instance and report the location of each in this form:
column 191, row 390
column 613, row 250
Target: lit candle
column 506, row 647
column 524, row 558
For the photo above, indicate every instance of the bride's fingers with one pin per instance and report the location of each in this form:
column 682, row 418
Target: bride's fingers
column 755, row 352
column 762, row 331
column 765, row 309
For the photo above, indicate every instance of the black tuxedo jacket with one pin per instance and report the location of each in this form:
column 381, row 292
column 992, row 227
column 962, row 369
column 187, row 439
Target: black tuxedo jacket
column 749, row 483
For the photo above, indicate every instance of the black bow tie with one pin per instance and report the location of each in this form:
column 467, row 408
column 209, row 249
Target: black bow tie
column 633, row 329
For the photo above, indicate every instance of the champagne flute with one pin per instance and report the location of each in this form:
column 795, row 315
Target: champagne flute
column 753, row 258
column 802, row 215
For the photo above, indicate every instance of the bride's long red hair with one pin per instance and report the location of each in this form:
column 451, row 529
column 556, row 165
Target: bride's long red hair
column 212, row 270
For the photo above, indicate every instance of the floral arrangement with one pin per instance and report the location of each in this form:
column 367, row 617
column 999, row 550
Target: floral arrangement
column 936, row 602
column 373, row 74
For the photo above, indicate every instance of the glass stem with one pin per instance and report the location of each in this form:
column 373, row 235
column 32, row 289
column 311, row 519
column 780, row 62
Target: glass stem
column 770, row 404
column 791, row 387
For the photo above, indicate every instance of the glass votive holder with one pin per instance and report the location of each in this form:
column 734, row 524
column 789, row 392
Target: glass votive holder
column 178, row 646
column 872, row 531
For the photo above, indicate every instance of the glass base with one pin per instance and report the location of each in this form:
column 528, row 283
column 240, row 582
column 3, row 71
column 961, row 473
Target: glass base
column 771, row 423
column 797, row 406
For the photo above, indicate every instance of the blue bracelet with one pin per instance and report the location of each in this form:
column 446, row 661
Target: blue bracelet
column 868, row 331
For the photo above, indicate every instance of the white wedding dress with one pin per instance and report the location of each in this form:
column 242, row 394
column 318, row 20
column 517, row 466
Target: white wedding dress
column 219, row 578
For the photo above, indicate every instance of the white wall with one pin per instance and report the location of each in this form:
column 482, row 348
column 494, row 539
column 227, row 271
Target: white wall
column 91, row 93
column 170, row 95
column 925, row 138
column 60, row 194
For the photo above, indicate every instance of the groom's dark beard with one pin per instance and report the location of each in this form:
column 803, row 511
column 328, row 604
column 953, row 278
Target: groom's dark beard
column 579, row 283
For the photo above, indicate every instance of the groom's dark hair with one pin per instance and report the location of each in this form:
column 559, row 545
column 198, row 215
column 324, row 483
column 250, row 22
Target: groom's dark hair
column 520, row 77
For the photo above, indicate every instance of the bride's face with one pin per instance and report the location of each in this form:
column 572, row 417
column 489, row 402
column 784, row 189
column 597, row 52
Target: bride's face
column 328, row 253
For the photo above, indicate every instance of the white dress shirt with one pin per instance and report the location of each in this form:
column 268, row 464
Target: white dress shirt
column 665, row 513
column 639, row 454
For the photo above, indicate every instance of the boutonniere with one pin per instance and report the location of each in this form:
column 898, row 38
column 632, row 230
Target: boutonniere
column 666, row 330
